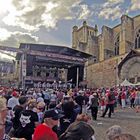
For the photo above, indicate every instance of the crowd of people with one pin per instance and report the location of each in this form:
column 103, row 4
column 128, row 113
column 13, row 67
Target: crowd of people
column 52, row 114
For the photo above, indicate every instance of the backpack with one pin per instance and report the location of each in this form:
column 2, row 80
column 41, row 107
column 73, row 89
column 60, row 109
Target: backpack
column 111, row 97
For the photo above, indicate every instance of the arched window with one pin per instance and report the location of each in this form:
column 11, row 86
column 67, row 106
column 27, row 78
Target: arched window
column 117, row 45
column 137, row 39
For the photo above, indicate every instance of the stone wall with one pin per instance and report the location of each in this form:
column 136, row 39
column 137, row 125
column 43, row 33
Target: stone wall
column 107, row 38
column 93, row 47
column 127, row 34
column 116, row 31
column 103, row 74
column 137, row 21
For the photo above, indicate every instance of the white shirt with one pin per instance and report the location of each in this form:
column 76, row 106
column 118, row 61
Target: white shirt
column 53, row 97
column 40, row 99
column 90, row 97
column 12, row 102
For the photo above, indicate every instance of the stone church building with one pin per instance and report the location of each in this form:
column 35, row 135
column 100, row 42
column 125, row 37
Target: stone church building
column 115, row 52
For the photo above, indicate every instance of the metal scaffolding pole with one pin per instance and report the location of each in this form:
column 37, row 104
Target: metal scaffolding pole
column 23, row 69
column 77, row 77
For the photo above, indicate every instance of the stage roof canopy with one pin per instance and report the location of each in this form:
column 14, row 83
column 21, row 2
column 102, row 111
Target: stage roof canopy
column 55, row 49
column 55, row 55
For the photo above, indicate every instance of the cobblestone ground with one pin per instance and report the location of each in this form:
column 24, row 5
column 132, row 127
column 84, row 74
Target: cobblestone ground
column 127, row 118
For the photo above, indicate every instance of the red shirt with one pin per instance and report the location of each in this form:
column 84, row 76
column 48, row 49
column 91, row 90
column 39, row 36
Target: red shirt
column 102, row 102
column 109, row 102
column 43, row 132
column 123, row 96
column 133, row 94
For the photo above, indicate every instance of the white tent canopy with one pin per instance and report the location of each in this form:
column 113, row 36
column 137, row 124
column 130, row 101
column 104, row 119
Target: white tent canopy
column 137, row 84
column 126, row 83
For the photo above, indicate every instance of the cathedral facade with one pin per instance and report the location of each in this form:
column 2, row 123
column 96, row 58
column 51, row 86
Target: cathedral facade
column 115, row 52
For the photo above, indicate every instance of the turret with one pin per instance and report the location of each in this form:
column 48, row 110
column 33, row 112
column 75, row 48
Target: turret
column 96, row 29
column 126, row 34
column 75, row 28
column 74, row 37
column 84, row 23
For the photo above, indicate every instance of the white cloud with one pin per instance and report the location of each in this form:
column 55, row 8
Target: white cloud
column 85, row 12
column 109, row 13
column 4, row 34
column 135, row 5
column 31, row 14
column 112, row 3
column 5, row 5
column 111, row 9
column 15, row 38
column 115, row 1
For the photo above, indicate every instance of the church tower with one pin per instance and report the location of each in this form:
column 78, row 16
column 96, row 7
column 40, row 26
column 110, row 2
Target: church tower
column 126, row 35
column 85, row 39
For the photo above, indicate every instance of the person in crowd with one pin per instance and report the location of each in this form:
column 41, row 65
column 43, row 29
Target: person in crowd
column 51, row 105
column 8, row 95
column 47, row 97
column 109, row 103
column 90, row 97
column 39, row 98
column 60, row 95
column 94, row 106
column 28, row 121
column 3, row 113
column 78, row 130
column 119, row 97
column 16, row 114
column 53, row 98
column 69, row 115
column 12, row 102
column 83, row 117
column 40, row 111
column 123, row 99
column 124, row 137
column 45, row 131
column 86, row 97
column 132, row 98
column 80, row 99
column 137, row 100
column 102, row 104
column 113, row 131
column 33, row 103
column 9, row 123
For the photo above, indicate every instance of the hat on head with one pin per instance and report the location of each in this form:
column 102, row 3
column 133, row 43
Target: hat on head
column 14, row 93
column 78, row 131
column 113, row 131
column 53, row 113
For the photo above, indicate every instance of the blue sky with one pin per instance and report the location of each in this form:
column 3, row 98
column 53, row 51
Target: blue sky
column 51, row 21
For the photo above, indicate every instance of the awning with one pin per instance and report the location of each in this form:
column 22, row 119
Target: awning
column 126, row 83
column 137, row 84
